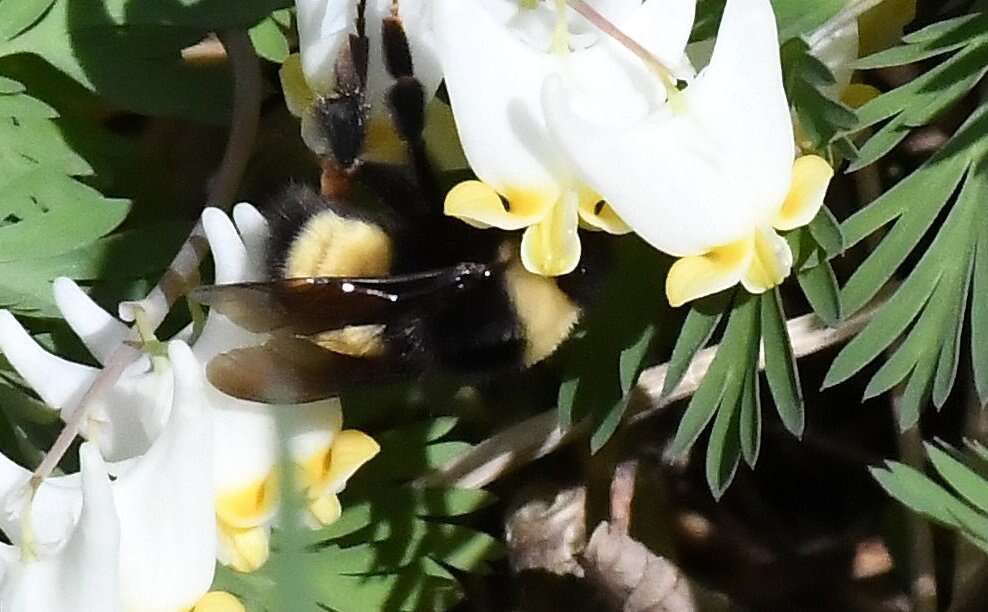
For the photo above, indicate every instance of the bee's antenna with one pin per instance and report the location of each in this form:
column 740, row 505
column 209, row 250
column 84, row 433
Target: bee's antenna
column 361, row 18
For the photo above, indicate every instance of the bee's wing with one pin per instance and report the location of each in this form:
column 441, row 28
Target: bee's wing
column 307, row 306
column 288, row 370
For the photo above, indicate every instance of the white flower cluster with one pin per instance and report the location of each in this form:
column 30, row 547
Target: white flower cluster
column 567, row 127
column 194, row 470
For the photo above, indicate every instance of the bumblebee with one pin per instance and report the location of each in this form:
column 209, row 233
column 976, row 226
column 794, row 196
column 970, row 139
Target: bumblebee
column 366, row 295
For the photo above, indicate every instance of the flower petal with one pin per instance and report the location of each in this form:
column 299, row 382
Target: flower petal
column 686, row 177
column 298, row 96
column 882, row 26
column 326, row 509
column 811, row 176
column 83, row 575
column 480, row 205
column 101, row 332
column 838, row 51
column 59, row 382
column 229, row 252
column 165, row 503
column 857, row 95
column 493, row 79
column 663, row 27
column 771, row 263
column 233, row 265
column 123, row 421
column 249, row 506
column 599, row 215
column 245, row 550
column 254, row 231
column 662, row 176
column 695, row 277
column 322, row 29
column 351, row 449
column 219, row 601
column 552, row 246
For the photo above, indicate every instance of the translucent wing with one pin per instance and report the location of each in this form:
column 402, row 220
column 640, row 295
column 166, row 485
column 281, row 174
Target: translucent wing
column 288, row 370
column 307, row 306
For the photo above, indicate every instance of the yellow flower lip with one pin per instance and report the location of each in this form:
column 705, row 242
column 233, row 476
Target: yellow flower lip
column 250, row 505
column 551, row 243
column 762, row 260
column 219, row 601
column 480, row 205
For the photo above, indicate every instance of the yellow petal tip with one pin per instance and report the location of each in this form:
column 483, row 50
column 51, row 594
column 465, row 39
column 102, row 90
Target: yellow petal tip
column 698, row 276
column 298, row 96
column 811, row 176
column 480, row 205
column 219, row 601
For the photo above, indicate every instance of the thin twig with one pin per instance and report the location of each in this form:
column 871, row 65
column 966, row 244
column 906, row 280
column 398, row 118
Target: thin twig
column 841, row 19
column 622, row 495
column 923, row 581
column 185, row 266
column 540, row 435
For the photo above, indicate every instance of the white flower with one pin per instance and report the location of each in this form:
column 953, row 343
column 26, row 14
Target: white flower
column 244, row 447
column 494, row 89
column 323, row 28
column 82, row 574
column 143, row 543
column 709, row 176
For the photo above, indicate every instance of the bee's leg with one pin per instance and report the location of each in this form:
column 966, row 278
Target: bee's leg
column 406, row 99
column 343, row 114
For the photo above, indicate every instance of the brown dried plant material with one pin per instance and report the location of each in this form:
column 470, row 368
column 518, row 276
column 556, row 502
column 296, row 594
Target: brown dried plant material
column 548, row 534
column 634, row 578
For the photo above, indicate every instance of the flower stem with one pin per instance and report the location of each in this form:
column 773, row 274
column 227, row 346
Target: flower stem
column 560, row 36
column 850, row 13
column 222, row 192
column 607, row 27
column 541, row 435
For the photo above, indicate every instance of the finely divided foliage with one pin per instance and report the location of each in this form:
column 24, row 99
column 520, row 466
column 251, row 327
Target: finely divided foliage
column 923, row 323
column 67, row 209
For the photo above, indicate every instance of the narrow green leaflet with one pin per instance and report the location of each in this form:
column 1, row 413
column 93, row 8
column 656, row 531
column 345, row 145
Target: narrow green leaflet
column 780, row 364
column 603, row 365
column 927, row 313
column 923, row 99
column 729, row 395
column 963, row 506
column 702, row 320
column 795, row 17
column 807, row 79
column 390, row 549
column 813, row 247
column 719, row 397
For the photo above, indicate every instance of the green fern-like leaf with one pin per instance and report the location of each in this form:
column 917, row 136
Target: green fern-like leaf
column 963, row 506
column 928, row 311
column 604, row 364
column 395, row 547
column 923, row 99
